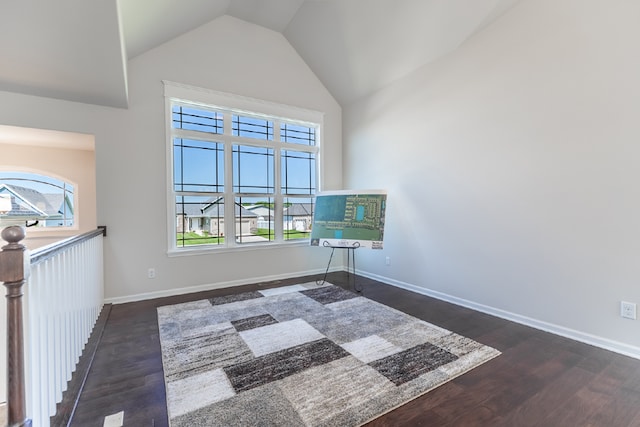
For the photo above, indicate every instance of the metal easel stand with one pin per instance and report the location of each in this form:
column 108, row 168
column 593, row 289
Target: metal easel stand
column 351, row 261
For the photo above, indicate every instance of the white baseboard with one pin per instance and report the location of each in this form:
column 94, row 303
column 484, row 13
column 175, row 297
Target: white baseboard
column 212, row 286
column 605, row 343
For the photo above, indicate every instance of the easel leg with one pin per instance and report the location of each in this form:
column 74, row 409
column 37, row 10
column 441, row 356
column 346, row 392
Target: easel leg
column 324, row 279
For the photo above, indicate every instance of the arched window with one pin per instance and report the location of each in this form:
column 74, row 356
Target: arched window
column 32, row 195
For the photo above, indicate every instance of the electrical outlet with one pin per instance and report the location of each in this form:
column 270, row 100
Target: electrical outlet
column 628, row 310
column 387, row 261
column 151, row 273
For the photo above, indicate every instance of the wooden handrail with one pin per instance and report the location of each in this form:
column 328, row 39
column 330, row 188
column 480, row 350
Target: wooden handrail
column 44, row 253
column 12, row 274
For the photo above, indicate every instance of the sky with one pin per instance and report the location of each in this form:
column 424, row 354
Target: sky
column 199, row 165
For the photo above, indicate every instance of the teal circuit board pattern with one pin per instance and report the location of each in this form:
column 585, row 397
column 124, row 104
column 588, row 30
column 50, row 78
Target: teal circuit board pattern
column 349, row 220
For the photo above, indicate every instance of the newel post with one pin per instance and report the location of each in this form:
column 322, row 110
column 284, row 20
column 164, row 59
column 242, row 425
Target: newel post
column 13, row 271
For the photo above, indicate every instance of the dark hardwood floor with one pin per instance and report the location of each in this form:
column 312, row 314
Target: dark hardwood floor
column 539, row 380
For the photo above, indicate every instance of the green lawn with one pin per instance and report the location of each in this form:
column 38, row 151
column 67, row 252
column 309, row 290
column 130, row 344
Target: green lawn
column 297, row 234
column 196, row 239
column 191, row 238
column 288, row 235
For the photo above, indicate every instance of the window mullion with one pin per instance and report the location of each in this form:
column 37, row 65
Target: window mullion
column 229, row 196
column 278, row 205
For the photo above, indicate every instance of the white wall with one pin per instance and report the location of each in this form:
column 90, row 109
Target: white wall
column 227, row 55
column 512, row 170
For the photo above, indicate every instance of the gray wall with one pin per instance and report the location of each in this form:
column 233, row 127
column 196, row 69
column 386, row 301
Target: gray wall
column 512, row 170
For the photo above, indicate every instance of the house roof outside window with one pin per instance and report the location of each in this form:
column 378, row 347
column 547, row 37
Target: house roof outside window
column 299, row 209
column 29, row 202
column 210, row 209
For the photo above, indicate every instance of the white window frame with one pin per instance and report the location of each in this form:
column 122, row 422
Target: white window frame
column 176, row 93
column 40, row 228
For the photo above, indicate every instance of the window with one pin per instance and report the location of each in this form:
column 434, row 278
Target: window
column 242, row 175
column 48, row 199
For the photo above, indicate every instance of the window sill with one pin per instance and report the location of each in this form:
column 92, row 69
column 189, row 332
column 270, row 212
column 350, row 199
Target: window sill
column 208, row 250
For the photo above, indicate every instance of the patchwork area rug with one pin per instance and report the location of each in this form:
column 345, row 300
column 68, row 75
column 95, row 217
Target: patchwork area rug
column 302, row 355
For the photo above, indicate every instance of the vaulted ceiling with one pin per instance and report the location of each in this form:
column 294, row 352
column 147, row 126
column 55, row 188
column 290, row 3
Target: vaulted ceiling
column 78, row 50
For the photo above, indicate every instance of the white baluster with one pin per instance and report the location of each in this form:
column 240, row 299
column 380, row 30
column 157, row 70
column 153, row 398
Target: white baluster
column 64, row 299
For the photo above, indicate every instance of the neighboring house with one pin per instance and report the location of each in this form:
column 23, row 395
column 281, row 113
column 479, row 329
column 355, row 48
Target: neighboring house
column 209, row 218
column 263, row 212
column 190, row 218
column 298, row 216
column 50, row 208
column 265, row 216
column 60, row 204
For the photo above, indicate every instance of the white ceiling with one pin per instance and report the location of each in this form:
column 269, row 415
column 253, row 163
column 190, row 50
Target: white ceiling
column 77, row 49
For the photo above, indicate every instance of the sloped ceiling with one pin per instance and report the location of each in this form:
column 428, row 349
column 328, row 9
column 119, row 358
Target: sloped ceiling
column 67, row 49
column 77, row 49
